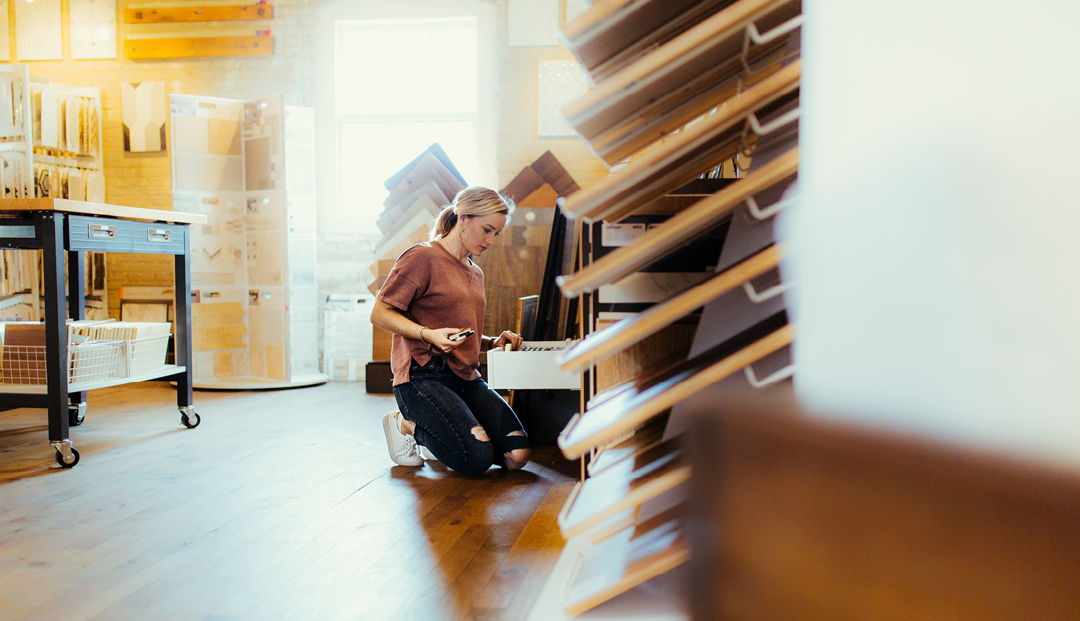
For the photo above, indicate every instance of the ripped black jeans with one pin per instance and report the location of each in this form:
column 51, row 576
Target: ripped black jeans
column 465, row 424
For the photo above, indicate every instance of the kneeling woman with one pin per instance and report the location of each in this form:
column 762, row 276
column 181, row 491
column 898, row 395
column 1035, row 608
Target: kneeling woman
column 434, row 291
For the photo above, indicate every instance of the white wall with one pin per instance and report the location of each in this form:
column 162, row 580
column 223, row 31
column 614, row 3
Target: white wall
column 937, row 240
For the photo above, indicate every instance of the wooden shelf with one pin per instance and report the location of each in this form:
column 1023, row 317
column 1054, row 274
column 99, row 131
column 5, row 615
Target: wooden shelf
column 171, row 14
column 605, row 343
column 636, row 405
column 198, row 47
column 680, row 229
column 657, row 599
column 682, row 158
column 644, row 438
column 675, row 83
column 626, row 485
column 612, row 32
column 626, row 560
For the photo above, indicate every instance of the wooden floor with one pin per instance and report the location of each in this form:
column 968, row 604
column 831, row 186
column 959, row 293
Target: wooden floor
column 280, row 505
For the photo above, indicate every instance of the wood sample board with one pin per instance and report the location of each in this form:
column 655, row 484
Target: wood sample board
column 198, row 47
column 172, row 14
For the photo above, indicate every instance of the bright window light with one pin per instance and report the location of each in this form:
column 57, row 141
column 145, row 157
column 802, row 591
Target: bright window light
column 401, row 85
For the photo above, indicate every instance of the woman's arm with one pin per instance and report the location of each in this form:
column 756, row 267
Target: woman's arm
column 392, row 320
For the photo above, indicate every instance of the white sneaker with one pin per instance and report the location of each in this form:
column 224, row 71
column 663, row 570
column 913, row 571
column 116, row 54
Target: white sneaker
column 425, row 453
column 402, row 447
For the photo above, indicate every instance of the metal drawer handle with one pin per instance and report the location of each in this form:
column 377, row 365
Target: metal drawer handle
column 100, row 231
column 158, row 235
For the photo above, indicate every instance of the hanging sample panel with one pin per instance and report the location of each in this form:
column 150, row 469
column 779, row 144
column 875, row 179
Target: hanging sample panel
column 38, row 30
column 93, row 28
column 558, row 82
column 533, row 22
column 5, row 38
column 143, row 110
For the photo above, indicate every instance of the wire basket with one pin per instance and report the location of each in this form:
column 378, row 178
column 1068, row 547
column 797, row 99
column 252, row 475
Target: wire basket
column 92, row 361
column 140, row 356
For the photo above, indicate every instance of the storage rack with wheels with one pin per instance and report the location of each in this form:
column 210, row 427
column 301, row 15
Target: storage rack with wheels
column 59, row 226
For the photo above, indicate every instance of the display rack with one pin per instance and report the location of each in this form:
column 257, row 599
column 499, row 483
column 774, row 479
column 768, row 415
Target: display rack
column 249, row 167
column 65, row 229
column 714, row 90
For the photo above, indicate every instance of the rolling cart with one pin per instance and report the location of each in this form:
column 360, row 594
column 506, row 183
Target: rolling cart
column 56, row 226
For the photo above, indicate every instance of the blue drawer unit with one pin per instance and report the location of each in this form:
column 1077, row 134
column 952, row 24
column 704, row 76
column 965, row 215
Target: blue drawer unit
column 86, row 233
column 158, row 238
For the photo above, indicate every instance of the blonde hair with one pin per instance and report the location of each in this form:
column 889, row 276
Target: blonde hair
column 473, row 201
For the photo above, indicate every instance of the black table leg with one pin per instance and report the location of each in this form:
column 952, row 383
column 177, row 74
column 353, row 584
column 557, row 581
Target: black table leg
column 51, row 230
column 182, row 286
column 76, row 299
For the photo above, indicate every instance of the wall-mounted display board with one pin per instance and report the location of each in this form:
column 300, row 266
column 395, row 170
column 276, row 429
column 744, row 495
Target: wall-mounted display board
column 253, row 263
column 93, row 28
column 172, row 14
column 198, row 47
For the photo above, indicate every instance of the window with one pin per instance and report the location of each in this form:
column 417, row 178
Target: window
column 401, row 85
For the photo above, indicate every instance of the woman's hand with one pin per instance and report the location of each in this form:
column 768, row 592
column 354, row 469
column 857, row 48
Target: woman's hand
column 439, row 339
column 514, row 340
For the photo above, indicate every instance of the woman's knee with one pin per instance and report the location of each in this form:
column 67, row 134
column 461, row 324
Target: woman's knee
column 517, row 458
column 479, row 457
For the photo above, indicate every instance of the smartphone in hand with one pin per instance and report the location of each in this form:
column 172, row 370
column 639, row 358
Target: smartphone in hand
column 461, row 336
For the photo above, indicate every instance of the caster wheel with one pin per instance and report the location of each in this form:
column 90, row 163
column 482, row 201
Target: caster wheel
column 190, row 422
column 76, row 415
column 74, row 458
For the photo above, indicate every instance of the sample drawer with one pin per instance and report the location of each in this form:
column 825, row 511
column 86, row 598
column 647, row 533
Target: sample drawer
column 158, row 238
column 99, row 234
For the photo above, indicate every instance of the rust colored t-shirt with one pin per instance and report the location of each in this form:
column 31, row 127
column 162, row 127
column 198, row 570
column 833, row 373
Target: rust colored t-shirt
column 434, row 289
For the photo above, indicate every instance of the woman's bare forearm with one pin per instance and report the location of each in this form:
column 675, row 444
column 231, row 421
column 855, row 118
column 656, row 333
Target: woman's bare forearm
column 392, row 320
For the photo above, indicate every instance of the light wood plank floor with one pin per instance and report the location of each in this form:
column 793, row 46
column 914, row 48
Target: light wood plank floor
column 280, row 505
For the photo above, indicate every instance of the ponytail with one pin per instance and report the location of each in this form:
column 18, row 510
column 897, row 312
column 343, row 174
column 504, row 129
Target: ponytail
column 443, row 223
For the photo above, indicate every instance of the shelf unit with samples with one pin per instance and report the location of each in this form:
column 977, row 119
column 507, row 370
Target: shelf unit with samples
column 249, row 166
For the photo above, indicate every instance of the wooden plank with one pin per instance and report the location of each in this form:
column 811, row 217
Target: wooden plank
column 626, row 485
column 604, row 343
column 808, row 517
column 698, row 53
column 428, row 168
column 198, row 47
column 672, row 342
column 688, row 224
column 436, row 150
column 523, row 184
column 171, row 14
column 612, row 32
column 626, row 560
column 636, row 136
column 553, row 172
column 644, row 438
column 634, row 406
column 99, row 209
column 544, row 196
column 675, row 162
column 393, row 214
